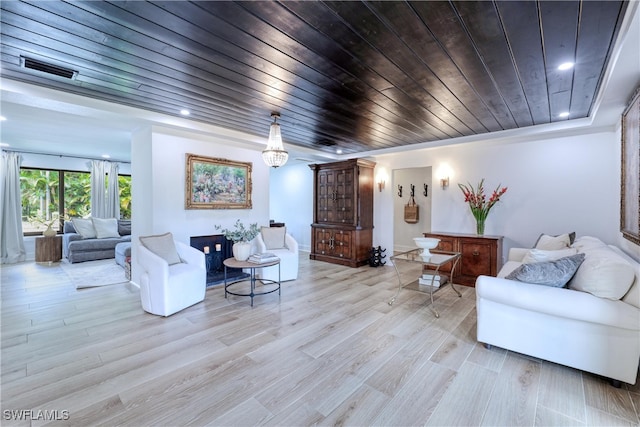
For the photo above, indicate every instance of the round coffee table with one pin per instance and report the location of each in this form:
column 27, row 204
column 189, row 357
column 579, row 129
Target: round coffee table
column 234, row 263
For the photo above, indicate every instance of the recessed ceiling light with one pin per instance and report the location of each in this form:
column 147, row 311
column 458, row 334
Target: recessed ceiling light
column 565, row 66
column 106, row 156
column 2, row 118
column 564, row 114
column 338, row 151
column 185, row 112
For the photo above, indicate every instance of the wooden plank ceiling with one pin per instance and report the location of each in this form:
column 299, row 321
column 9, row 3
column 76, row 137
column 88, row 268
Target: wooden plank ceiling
column 358, row 76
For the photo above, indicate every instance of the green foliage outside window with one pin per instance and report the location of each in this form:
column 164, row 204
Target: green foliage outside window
column 41, row 199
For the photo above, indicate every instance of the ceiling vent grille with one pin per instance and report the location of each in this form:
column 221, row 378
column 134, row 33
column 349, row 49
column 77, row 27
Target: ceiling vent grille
column 43, row 67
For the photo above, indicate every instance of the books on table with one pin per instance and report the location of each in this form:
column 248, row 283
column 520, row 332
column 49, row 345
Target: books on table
column 431, row 280
column 263, row 258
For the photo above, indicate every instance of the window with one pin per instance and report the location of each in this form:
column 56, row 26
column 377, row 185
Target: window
column 48, row 195
column 40, row 202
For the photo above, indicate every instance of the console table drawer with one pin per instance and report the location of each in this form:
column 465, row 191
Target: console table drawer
column 481, row 255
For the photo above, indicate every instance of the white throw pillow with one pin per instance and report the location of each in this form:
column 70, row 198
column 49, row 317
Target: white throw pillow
column 604, row 274
column 163, row 246
column 105, row 227
column 540, row 255
column 553, row 243
column 273, row 237
column 84, row 227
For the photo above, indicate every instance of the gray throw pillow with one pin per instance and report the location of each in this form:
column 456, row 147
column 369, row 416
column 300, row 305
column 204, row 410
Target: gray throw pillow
column 163, row 246
column 552, row 273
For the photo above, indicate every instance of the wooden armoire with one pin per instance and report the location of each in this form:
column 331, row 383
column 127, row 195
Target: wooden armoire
column 342, row 229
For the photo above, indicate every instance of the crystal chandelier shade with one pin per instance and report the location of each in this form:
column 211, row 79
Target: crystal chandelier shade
column 275, row 155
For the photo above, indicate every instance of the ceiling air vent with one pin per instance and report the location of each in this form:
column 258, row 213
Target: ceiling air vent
column 34, row 64
column 325, row 143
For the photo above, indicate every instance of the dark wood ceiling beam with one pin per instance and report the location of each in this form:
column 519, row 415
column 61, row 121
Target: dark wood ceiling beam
column 559, row 37
column 355, row 34
column 595, row 39
column 323, row 20
column 313, row 48
column 481, row 21
column 245, row 56
column 522, row 29
column 445, row 25
column 147, row 53
column 420, row 40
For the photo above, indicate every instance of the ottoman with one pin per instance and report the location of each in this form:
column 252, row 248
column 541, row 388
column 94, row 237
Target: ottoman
column 123, row 251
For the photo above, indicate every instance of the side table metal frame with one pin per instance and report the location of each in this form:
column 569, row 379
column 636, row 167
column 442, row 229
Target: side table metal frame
column 233, row 263
column 414, row 256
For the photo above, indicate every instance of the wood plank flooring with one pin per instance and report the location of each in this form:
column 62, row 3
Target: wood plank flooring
column 329, row 351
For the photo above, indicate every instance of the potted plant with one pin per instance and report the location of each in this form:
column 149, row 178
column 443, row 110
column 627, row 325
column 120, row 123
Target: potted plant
column 241, row 236
column 478, row 203
column 49, row 232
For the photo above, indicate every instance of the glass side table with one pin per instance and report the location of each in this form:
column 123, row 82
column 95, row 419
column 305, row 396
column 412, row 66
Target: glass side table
column 433, row 262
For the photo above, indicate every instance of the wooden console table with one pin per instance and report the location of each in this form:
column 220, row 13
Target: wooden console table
column 481, row 255
column 48, row 249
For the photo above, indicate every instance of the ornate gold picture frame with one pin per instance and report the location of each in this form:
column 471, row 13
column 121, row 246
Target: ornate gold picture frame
column 213, row 183
column 630, row 183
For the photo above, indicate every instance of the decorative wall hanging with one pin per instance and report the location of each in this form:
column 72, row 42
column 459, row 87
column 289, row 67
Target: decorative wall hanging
column 399, row 190
column 213, row 183
column 630, row 183
column 411, row 209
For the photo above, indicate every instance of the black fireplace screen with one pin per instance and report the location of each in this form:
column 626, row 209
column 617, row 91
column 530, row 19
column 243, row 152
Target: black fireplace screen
column 216, row 249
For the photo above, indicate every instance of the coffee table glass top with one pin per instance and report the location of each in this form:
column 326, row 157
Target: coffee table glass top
column 436, row 259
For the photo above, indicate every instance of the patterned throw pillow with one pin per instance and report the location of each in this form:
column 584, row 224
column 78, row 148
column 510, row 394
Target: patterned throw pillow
column 552, row 273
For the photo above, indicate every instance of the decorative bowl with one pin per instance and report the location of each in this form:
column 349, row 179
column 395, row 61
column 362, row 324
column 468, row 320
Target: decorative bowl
column 426, row 243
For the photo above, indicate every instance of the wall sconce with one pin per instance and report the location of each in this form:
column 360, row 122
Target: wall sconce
column 381, row 185
column 444, row 182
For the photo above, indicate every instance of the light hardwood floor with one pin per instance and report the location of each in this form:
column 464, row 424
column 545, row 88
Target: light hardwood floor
column 330, row 351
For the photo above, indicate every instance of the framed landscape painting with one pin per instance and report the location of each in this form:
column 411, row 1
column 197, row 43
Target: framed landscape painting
column 213, row 183
column 630, row 185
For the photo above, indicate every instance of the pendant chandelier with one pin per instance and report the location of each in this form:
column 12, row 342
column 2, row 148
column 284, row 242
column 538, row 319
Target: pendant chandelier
column 275, row 155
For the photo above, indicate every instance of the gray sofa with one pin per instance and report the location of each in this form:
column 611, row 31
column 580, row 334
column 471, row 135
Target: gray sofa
column 76, row 249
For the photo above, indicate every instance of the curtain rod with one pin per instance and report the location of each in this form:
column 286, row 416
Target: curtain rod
column 65, row 155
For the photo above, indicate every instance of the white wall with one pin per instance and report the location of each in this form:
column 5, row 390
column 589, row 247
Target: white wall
column 556, row 185
column 291, row 196
column 158, row 186
column 403, row 232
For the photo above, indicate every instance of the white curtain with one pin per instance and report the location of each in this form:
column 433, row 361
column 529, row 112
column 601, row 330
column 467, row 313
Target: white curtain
column 105, row 198
column 113, row 192
column 98, row 185
column 11, row 238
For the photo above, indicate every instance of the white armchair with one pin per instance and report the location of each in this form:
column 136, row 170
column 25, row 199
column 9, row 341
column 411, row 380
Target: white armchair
column 287, row 252
column 168, row 288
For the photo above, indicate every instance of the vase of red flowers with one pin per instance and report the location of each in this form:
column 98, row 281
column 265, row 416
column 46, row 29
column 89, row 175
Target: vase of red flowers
column 478, row 202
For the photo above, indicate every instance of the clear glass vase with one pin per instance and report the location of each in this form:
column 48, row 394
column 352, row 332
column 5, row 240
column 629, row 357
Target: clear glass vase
column 480, row 226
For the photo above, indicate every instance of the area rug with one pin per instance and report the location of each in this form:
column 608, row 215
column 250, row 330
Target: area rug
column 92, row 274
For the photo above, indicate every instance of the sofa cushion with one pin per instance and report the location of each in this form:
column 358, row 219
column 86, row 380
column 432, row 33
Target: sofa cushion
column 124, row 227
column 273, row 237
column 84, row 227
column 604, row 274
column 551, row 273
column 540, row 255
column 90, row 245
column 105, row 227
column 553, row 243
column 163, row 246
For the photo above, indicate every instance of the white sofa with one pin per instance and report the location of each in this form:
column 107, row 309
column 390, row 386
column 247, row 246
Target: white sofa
column 277, row 241
column 575, row 328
